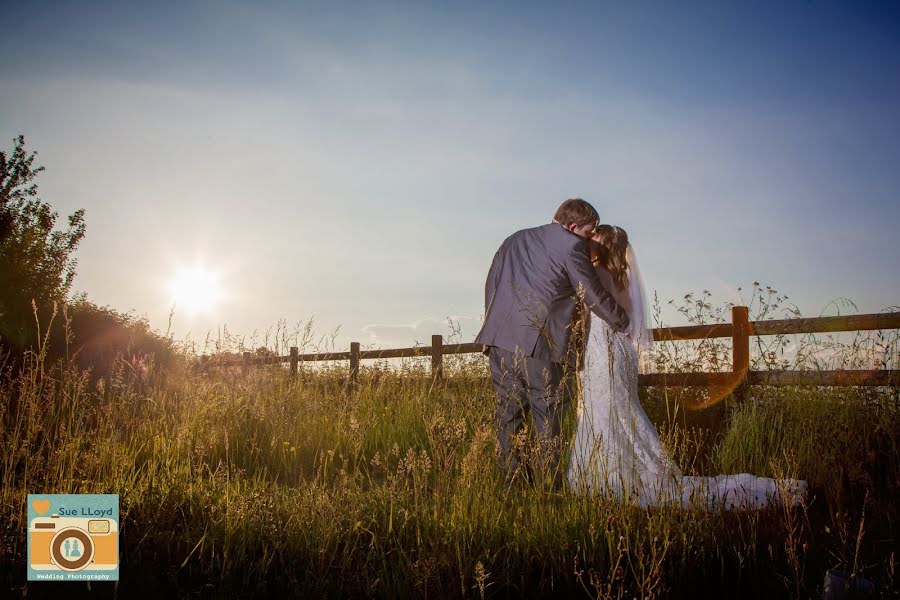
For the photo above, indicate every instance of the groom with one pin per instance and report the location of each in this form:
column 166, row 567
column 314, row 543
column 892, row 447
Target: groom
column 537, row 278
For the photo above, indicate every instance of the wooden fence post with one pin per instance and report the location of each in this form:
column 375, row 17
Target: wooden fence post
column 295, row 352
column 245, row 366
column 437, row 358
column 354, row 365
column 740, row 348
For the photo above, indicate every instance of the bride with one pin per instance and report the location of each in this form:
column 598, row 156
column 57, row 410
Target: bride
column 617, row 451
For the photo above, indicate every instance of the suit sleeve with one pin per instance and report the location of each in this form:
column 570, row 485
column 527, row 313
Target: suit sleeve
column 490, row 285
column 596, row 296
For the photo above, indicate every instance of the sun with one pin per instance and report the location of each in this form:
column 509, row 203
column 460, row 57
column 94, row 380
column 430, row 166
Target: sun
column 196, row 290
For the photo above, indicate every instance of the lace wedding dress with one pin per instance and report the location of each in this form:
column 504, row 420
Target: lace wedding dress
column 617, row 450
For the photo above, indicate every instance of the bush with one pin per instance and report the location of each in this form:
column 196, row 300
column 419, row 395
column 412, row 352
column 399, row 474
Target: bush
column 102, row 339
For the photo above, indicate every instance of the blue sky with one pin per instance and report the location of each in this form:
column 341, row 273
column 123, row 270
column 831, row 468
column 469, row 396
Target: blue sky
column 359, row 164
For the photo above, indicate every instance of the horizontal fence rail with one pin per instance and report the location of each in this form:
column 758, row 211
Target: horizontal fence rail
column 739, row 330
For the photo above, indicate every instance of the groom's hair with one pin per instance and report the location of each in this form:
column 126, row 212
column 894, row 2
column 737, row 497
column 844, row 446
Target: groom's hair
column 576, row 211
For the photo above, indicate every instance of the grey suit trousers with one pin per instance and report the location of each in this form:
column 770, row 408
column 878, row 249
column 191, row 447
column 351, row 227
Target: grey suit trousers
column 529, row 386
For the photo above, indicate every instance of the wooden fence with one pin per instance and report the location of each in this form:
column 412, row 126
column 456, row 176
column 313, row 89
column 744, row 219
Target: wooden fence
column 739, row 330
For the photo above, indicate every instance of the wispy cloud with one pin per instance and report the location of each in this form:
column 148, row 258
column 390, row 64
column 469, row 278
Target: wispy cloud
column 455, row 329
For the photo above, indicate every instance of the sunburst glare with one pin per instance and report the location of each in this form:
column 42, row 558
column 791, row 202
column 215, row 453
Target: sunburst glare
column 196, row 290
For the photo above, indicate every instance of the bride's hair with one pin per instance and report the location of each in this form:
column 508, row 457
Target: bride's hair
column 608, row 251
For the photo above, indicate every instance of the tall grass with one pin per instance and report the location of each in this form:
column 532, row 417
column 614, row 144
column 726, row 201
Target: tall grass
column 237, row 486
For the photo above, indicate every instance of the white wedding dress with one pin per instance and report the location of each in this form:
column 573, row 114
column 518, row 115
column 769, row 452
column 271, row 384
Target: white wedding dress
column 617, row 450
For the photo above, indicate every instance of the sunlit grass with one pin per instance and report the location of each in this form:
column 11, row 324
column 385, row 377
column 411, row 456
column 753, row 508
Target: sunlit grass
column 263, row 484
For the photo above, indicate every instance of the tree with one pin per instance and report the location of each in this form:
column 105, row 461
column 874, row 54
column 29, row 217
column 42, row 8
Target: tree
column 36, row 263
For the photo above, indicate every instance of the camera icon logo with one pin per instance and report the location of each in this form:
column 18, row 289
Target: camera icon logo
column 79, row 542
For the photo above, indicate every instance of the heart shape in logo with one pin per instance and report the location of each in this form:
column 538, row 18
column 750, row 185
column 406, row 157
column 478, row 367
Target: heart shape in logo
column 41, row 506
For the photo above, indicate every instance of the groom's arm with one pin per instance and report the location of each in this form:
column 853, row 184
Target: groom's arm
column 596, row 296
column 490, row 285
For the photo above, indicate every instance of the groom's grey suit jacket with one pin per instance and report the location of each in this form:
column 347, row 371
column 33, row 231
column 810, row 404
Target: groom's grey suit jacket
column 530, row 294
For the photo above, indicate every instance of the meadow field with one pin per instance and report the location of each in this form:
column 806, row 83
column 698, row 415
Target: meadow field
column 237, row 485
